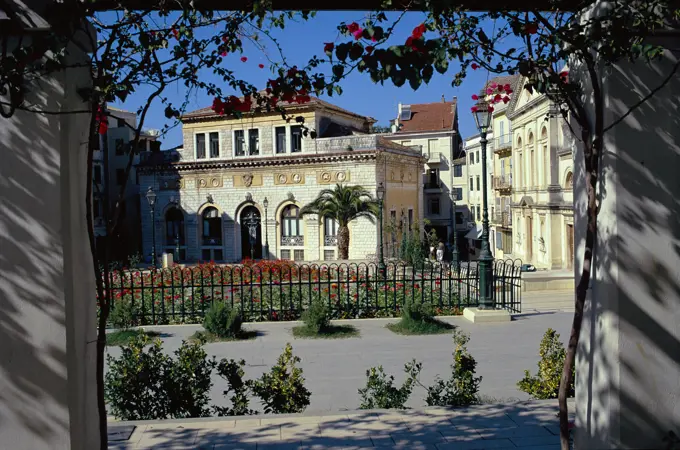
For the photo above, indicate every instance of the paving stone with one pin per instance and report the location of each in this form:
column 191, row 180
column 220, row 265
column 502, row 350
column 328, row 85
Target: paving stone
column 481, row 444
column 514, row 432
column 483, row 422
column 535, row 441
column 252, row 446
column 427, row 437
column 337, row 443
column 119, row 432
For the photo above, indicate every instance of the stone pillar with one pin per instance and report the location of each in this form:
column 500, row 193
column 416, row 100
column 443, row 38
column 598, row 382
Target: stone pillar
column 47, row 290
column 312, row 248
column 628, row 360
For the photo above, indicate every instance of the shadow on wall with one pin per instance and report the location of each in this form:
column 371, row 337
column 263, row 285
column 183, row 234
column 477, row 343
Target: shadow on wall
column 637, row 281
column 38, row 286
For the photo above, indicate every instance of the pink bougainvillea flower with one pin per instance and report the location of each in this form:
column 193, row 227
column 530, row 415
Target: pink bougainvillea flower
column 500, row 88
column 506, row 99
column 474, row 109
column 497, row 98
column 224, row 53
column 369, row 49
column 419, row 31
column 530, row 28
column 358, row 33
column 475, row 97
column 175, row 33
column 225, row 38
column 328, row 47
column 244, row 58
column 373, row 39
column 352, row 27
column 261, row 66
column 411, row 42
column 493, row 85
column 491, row 108
column 489, row 91
column 507, row 88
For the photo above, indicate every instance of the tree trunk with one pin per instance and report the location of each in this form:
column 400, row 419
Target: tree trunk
column 343, row 242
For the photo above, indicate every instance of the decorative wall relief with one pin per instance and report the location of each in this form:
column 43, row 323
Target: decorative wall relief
column 171, row 184
column 289, row 178
column 332, row 177
column 247, row 180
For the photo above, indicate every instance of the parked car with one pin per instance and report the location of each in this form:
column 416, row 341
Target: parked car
column 528, row 268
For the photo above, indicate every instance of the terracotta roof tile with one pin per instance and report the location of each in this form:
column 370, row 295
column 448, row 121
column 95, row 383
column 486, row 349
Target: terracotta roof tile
column 437, row 116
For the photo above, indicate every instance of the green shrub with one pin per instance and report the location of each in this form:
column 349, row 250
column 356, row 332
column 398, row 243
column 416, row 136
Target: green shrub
column 122, row 315
column 282, row 390
column 462, row 388
column 145, row 384
column 232, row 372
column 317, row 317
column 380, row 391
column 416, row 312
column 189, row 381
column 223, row 321
column 546, row 383
column 135, row 383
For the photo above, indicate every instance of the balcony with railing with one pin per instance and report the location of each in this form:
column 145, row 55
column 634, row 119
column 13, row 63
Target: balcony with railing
column 504, row 219
column 433, row 157
column 502, row 143
column 330, row 241
column 502, row 182
column 432, row 187
column 293, row 241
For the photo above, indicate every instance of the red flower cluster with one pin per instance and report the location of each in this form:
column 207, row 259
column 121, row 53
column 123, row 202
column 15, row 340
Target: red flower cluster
column 244, row 58
column 497, row 92
column 413, row 41
column 328, row 47
column 356, row 30
column 530, row 28
column 233, row 103
column 103, row 120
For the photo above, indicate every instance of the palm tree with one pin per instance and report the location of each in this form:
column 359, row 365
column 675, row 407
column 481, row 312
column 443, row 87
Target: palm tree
column 343, row 204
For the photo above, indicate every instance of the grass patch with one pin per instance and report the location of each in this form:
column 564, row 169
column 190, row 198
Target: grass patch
column 329, row 332
column 414, row 327
column 243, row 335
column 123, row 337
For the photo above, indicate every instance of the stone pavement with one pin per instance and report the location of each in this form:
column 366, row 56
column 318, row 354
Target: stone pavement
column 531, row 425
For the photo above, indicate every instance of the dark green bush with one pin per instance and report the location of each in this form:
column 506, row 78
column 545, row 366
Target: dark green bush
column 317, row 317
column 462, row 388
column 232, row 372
column 282, row 390
column 546, row 383
column 223, row 321
column 122, row 315
column 380, row 391
column 416, row 311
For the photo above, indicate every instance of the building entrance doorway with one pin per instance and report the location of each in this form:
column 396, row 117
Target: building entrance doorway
column 251, row 233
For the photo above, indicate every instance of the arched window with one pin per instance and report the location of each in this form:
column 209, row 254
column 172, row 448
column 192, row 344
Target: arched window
column 569, row 181
column 174, row 226
column 519, row 142
column 544, row 133
column 531, row 138
column 290, row 219
column 212, row 227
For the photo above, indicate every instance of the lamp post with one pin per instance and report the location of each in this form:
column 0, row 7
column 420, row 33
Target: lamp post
column 454, row 250
column 151, row 198
column 482, row 113
column 252, row 221
column 265, row 203
column 380, row 192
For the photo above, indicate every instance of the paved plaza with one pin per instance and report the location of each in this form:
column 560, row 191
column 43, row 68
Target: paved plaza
column 525, row 425
column 334, row 369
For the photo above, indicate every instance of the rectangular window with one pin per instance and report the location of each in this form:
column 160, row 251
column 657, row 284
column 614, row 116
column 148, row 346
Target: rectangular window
column 285, row 254
column 329, row 255
column 120, row 176
column 296, row 139
column 205, row 254
column 432, row 146
column 200, row 146
column 299, row 255
column 120, row 146
column 254, row 142
column 459, row 217
column 432, row 178
column 214, row 145
column 472, row 158
column 218, row 254
column 330, row 227
column 458, row 193
column 239, row 143
column 477, row 157
column 472, row 213
column 280, row 133
column 479, row 214
column 457, row 170
column 472, row 184
column 434, row 206
column 478, row 185
column 97, row 174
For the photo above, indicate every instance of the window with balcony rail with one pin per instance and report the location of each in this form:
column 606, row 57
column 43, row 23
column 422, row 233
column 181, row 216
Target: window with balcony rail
column 212, row 227
column 330, row 232
column 291, row 227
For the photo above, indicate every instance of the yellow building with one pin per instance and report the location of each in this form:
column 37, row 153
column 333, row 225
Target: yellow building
column 211, row 200
column 542, row 168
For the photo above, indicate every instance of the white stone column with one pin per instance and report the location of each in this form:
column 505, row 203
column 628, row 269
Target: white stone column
column 47, row 291
column 628, row 360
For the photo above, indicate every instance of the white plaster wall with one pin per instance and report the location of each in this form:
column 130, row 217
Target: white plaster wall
column 628, row 360
column 47, row 294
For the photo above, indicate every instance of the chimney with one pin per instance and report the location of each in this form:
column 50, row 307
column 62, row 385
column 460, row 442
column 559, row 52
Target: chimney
column 443, row 99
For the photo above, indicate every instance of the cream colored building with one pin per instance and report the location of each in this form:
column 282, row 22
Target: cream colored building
column 542, row 170
column 227, row 167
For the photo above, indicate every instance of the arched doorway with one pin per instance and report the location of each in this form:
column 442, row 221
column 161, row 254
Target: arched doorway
column 211, row 236
column 251, row 233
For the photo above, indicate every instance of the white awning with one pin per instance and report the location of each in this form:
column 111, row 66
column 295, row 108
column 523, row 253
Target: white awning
column 475, row 233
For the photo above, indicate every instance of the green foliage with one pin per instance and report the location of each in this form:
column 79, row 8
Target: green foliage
column 418, row 318
column 122, row 315
column 223, row 321
column 416, row 311
column 462, row 388
column 123, row 337
column 145, row 384
column 282, row 390
column 412, row 250
column 135, row 383
column 380, row 391
column 317, row 317
column 330, row 332
column 546, row 383
column 232, row 372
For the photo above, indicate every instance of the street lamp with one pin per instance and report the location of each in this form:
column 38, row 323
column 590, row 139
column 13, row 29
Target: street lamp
column 380, row 193
column 252, row 221
column 482, row 113
column 454, row 251
column 265, row 203
column 175, row 202
column 151, row 198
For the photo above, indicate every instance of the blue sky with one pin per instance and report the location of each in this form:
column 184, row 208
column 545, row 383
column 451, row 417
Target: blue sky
column 302, row 40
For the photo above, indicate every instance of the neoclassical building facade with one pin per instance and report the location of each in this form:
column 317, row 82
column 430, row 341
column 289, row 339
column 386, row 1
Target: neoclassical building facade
column 542, row 188
column 234, row 191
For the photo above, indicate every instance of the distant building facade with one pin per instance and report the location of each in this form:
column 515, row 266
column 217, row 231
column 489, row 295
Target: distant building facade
column 211, row 200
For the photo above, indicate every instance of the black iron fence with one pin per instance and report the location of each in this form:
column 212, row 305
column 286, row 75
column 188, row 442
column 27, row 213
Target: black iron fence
column 281, row 290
